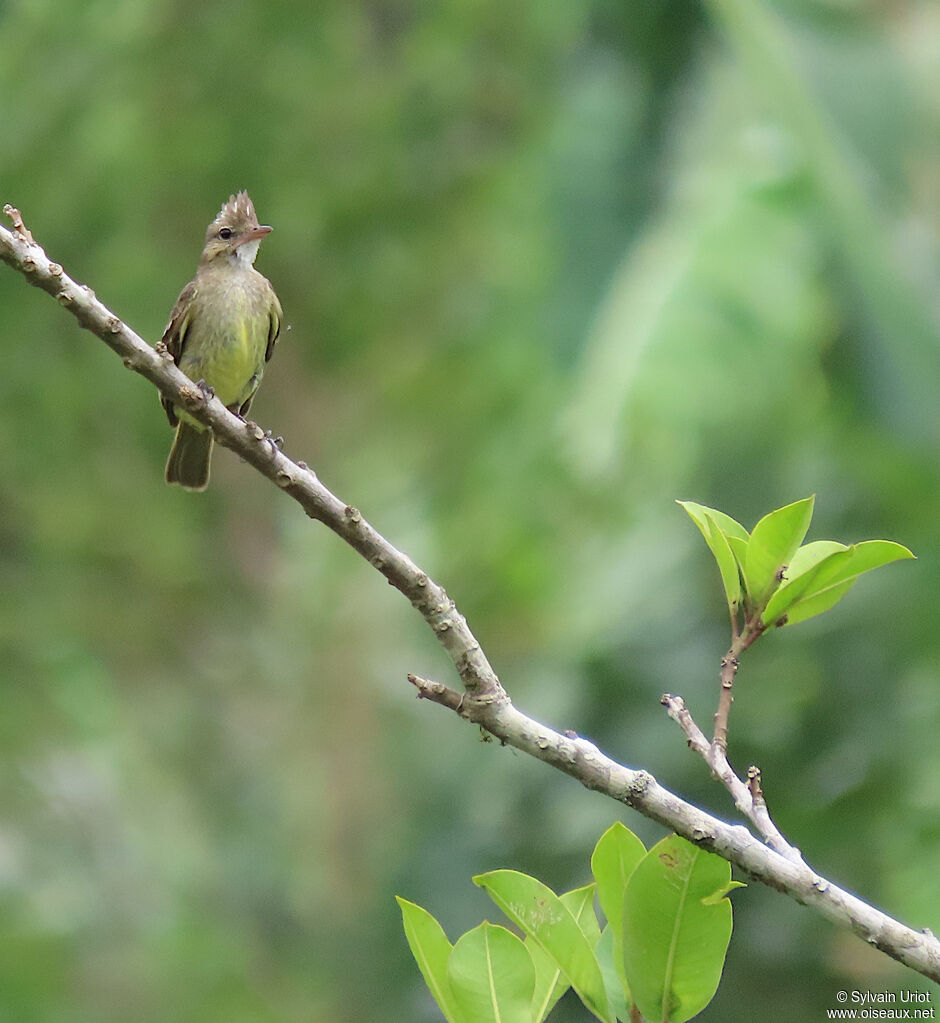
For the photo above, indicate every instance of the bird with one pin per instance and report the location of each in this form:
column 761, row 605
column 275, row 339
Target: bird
column 221, row 333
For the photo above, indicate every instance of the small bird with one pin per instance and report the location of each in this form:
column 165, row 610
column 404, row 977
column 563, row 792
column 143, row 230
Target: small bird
column 221, row 333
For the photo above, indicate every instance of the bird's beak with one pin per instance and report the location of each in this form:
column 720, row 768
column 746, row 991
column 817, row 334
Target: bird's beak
column 253, row 235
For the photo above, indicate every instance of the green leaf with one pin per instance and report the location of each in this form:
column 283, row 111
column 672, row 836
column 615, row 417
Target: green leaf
column 815, row 604
column 774, row 541
column 717, row 540
column 431, row 949
column 547, row 920
column 810, row 555
column 614, row 859
column 799, row 576
column 825, row 575
column 729, row 526
column 739, row 550
column 492, row 977
column 615, row 856
column 675, row 935
column 580, row 903
column 610, row 960
column 858, row 559
column 720, row 893
column 550, row 982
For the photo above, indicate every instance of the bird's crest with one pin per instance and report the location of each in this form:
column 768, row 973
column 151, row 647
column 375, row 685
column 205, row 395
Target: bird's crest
column 238, row 213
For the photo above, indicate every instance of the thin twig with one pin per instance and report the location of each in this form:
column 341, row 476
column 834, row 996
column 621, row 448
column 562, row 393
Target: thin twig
column 744, row 795
column 437, row 692
column 484, row 702
column 740, row 641
column 729, row 668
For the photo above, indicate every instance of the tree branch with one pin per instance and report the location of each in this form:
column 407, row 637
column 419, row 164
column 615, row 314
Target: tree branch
column 740, row 641
column 484, row 702
column 748, row 798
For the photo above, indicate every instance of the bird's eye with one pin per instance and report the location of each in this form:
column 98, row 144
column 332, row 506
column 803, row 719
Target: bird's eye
column 225, row 233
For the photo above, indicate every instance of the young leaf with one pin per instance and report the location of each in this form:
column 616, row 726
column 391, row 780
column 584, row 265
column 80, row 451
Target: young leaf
column 547, row 920
column 774, row 541
column 824, row 581
column 431, row 949
column 815, row 603
column 674, row 933
column 858, row 559
column 717, row 542
column 809, row 556
column 491, row 975
column 719, row 894
column 738, row 547
column 615, row 856
column 550, row 982
column 729, row 526
column 799, row 576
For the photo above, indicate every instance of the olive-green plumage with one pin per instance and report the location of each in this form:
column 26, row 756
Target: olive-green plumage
column 221, row 333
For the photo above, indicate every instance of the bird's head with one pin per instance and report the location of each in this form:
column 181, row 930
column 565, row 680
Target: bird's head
column 235, row 234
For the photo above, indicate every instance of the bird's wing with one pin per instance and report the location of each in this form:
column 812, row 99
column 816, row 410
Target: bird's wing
column 174, row 337
column 274, row 325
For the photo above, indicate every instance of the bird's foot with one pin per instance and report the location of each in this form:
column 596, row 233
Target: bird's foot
column 260, row 435
column 276, row 442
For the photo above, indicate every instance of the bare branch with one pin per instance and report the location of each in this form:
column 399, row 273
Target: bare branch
column 437, row 692
column 747, row 798
column 729, row 668
column 484, row 702
column 740, row 641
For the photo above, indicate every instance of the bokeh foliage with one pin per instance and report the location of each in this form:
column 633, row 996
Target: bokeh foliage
column 548, row 266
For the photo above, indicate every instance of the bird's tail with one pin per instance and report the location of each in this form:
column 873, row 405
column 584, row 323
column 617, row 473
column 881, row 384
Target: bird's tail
column 188, row 464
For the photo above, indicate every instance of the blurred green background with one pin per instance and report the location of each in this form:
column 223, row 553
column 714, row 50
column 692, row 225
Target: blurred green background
column 548, row 266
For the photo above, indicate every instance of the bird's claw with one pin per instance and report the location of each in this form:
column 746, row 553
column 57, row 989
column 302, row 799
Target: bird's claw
column 276, row 442
column 263, row 436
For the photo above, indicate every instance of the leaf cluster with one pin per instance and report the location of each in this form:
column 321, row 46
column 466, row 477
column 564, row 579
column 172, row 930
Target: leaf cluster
column 660, row 953
column 771, row 577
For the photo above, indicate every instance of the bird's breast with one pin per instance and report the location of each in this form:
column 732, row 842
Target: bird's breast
column 227, row 336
